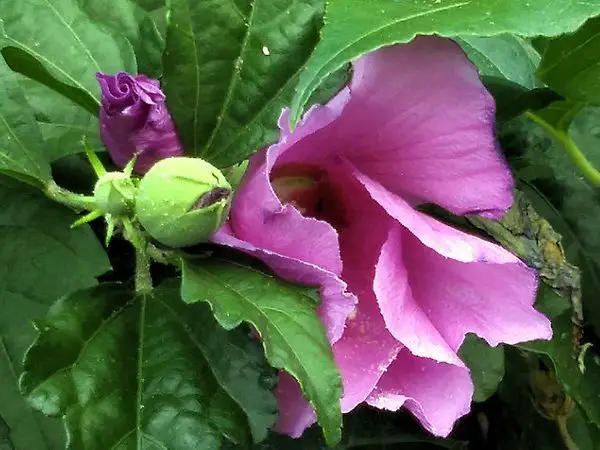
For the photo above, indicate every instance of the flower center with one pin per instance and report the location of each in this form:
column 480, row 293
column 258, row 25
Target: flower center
column 310, row 191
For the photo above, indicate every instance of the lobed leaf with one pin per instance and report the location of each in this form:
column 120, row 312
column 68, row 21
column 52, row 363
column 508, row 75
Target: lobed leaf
column 41, row 259
column 292, row 334
column 147, row 372
column 355, row 27
column 230, row 69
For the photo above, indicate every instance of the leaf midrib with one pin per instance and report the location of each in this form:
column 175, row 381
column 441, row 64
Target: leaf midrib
column 197, row 344
column 115, row 314
column 75, row 36
column 24, row 151
column 283, row 339
column 317, row 74
column 570, row 52
column 56, row 67
column 235, row 77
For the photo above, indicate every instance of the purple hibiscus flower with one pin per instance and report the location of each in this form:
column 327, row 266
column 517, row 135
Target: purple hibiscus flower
column 333, row 203
column 134, row 120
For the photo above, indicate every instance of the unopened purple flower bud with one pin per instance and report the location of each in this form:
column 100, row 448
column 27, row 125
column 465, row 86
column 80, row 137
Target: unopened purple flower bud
column 134, row 120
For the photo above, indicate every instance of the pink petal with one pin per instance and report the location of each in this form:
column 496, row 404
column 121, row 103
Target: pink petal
column 445, row 240
column 460, row 282
column 404, row 317
column 336, row 303
column 295, row 413
column 437, row 394
column 422, row 124
column 366, row 348
column 416, row 118
column 489, row 298
column 363, row 354
column 259, row 218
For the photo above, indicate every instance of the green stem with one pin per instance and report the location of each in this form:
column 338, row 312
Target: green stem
column 143, row 278
column 564, row 433
column 587, row 169
column 167, row 257
column 65, row 197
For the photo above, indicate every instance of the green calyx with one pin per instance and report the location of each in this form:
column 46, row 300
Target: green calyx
column 182, row 201
column 115, row 194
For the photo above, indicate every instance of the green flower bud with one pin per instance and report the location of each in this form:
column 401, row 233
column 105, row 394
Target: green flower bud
column 182, row 201
column 115, row 194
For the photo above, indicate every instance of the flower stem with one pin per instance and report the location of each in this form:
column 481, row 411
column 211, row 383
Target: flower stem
column 587, row 169
column 561, row 421
column 65, row 197
column 143, row 278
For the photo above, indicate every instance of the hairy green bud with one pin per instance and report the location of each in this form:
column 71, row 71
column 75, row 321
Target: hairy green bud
column 115, row 194
column 182, row 201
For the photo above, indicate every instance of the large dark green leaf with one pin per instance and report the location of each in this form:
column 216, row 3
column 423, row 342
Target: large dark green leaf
column 355, row 27
column 127, row 18
column 20, row 426
column 147, row 372
column 508, row 66
column 230, row 68
column 505, row 56
column 68, row 44
column 24, row 63
column 571, row 64
column 63, row 125
column 21, row 145
column 41, row 259
column 285, row 317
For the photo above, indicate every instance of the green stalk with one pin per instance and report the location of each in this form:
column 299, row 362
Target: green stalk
column 591, row 174
column 78, row 202
column 143, row 277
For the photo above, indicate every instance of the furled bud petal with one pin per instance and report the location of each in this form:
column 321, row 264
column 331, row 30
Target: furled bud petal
column 182, row 201
column 134, row 119
column 115, row 194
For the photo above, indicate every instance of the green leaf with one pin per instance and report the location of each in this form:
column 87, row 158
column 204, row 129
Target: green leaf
column 559, row 115
column 69, row 45
column 584, row 388
column 127, row 18
column 24, row 63
column 20, row 426
column 505, row 56
column 21, row 145
column 292, row 334
column 147, row 372
column 558, row 192
column 508, row 66
column 571, row 64
column 538, row 432
column 41, row 259
column 230, row 68
column 512, row 99
column 486, row 364
column 355, row 27
column 63, row 125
